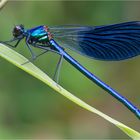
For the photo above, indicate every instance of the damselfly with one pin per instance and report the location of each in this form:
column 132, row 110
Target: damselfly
column 110, row 42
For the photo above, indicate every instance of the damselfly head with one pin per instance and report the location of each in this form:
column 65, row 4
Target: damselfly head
column 18, row 31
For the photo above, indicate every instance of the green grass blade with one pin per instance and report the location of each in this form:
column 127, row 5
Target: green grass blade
column 2, row 3
column 17, row 59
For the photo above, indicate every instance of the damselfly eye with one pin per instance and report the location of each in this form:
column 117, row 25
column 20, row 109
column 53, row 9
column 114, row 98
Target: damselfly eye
column 18, row 30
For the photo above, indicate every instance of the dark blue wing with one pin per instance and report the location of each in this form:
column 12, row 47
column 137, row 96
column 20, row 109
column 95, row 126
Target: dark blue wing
column 110, row 42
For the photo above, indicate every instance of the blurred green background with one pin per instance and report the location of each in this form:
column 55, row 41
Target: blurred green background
column 30, row 109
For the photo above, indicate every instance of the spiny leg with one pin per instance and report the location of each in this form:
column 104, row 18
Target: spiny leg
column 46, row 48
column 12, row 40
column 57, row 70
column 37, row 46
column 14, row 46
column 30, row 49
column 31, row 60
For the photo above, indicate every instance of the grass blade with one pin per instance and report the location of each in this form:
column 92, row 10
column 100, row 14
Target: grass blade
column 17, row 59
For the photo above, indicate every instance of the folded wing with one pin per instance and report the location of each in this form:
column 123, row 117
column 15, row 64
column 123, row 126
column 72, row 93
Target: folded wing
column 109, row 42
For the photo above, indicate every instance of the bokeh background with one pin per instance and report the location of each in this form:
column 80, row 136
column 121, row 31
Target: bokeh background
column 30, row 109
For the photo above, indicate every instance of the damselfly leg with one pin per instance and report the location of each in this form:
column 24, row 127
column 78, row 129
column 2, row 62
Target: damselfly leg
column 12, row 40
column 58, row 68
column 59, row 64
column 30, row 49
column 31, row 60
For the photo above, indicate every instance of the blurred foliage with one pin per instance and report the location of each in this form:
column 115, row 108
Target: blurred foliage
column 30, row 109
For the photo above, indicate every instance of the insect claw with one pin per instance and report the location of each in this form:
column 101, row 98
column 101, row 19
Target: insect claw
column 25, row 62
column 30, row 60
column 33, row 57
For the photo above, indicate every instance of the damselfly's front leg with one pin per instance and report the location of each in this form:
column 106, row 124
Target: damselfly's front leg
column 12, row 40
